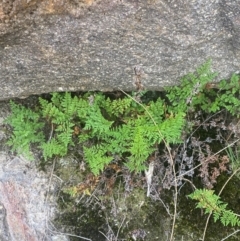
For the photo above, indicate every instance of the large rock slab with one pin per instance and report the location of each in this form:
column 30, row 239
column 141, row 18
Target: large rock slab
column 55, row 45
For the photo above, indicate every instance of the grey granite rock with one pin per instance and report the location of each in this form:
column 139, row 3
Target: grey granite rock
column 95, row 45
column 4, row 233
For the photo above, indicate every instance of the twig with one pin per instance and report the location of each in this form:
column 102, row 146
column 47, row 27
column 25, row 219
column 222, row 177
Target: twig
column 71, row 235
column 109, row 227
column 104, row 235
column 205, row 121
column 51, row 175
column 164, row 205
column 230, row 235
column 120, row 227
column 51, row 133
column 185, row 179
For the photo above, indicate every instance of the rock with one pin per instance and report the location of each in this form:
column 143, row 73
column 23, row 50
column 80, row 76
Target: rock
column 55, row 45
column 60, row 238
column 23, row 208
column 4, row 233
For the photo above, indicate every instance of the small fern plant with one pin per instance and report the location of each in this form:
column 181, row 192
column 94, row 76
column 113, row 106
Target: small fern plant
column 26, row 129
column 191, row 93
column 59, row 113
column 228, row 98
column 212, row 204
column 197, row 91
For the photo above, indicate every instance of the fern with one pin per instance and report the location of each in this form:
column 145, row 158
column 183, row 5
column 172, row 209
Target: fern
column 26, row 129
column 65, row 132
column 212, row 204
column 53, row 148
column 96, row 158
column 140, row 148
column 82, row 109
column 60, row 112
column 69, row 105
column 96, row 122
column 172, row 128
column 61, row 109
column 191, row 91
column 134, row 136
column 117, row 107
column 119, row 139
column 229, row 99
column 156, row 110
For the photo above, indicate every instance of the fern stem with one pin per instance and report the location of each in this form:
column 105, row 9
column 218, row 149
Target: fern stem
column 51, row 133
column 230, row 235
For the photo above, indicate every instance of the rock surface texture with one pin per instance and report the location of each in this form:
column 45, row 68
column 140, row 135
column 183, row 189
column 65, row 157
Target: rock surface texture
column 55, row 45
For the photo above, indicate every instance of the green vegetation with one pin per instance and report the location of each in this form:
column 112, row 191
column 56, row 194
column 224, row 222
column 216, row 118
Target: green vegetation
column 106, row 129
column 118, row 127
column 131, row 128
column 212, row 204
column 27, row 129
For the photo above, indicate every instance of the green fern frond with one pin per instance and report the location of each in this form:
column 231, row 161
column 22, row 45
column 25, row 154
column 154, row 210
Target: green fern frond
column 156, row 110
column 52, row 112
column 53, row 148
column 96, row 122
column 69, row 105
column 212, row 204
column 56, row 99
column 26, row 129
column 65, row 134
column 140, row 148
column 116, row 107
column 119, row 139
column 60, row 112
column 82, row 109
column 97, row 158
column 172, row 128
column 186, row 96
